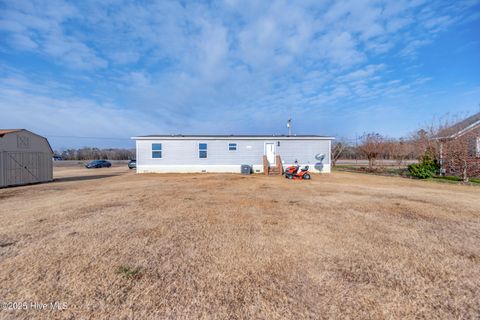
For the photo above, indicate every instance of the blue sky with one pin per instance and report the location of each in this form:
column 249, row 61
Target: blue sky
column 114, row 69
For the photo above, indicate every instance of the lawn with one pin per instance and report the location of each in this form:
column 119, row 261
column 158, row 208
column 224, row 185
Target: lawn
column 110, row 244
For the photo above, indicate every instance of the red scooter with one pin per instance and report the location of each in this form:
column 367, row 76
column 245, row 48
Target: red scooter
column 294, row 172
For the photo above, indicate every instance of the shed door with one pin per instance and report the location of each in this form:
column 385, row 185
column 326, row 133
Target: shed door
column 270, row 152
column 21, row 168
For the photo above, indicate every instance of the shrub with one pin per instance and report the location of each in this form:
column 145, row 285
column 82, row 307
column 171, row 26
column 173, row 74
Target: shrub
column 420, row 171
column 425, row 169
column 475, row 180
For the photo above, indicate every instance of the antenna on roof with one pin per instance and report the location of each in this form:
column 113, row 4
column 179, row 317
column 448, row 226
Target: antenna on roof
column 289, row 127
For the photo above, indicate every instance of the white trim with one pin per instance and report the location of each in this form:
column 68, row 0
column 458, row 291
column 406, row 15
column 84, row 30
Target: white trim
column 274, row 151
column 478, row 147
column 211, row 168
column 136, row 155
column 461, row 132
column 330, row 148
column 229, row 138
column 198, row 168
column 467, row 129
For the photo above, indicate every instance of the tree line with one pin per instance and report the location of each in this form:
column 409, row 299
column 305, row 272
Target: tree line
column 96, row 154
column 375, row 146
column 434, row 153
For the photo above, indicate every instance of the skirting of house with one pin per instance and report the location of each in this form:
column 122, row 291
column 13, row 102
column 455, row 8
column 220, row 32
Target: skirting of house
column 211, row 168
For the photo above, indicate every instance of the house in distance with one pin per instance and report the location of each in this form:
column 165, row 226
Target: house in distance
column 227, row 153
column 460, row 148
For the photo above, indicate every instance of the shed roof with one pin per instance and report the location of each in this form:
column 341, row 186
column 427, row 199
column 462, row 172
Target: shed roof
column 5, row 131
column 231, row 136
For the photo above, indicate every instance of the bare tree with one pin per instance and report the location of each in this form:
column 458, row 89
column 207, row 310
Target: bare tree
column 425, row 140
column 95, row 154
column 459, row 155
column 337, row 152
column 399, row 150
column 372, row 146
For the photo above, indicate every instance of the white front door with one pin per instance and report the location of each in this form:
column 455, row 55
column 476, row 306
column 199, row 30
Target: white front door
column 270, row 152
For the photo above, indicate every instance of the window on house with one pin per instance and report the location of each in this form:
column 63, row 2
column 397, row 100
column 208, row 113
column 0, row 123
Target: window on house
column 156, row 150
column 202, row 150
column 232, row 147
column 278, row 143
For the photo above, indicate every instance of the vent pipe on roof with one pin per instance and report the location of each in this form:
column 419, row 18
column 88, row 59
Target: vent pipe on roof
column 289, row 127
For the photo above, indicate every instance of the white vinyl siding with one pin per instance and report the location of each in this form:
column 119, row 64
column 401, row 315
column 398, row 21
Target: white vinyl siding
column 185, row 153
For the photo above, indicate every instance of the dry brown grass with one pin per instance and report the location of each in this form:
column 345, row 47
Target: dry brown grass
column 227, row 246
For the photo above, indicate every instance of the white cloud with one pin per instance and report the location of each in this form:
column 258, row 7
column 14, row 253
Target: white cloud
column 23, row 42
column 40, row 27
column 265, row 36
column 412, row 47
column 177, row 63
column 25, row 104
column 340, row 49
column 362, row 74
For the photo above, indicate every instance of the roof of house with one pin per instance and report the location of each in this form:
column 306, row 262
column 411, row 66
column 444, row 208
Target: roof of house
column 232, row 136
column 5, row 131
column 460, row 128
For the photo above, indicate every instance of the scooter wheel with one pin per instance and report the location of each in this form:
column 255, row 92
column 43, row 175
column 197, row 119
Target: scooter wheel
column 289, row 176
column 306, row 176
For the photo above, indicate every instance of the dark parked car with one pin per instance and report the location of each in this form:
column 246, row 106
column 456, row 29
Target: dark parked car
column 98, row 164
column 132, row 164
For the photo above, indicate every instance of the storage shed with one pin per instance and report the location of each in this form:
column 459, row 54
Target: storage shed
column 227, row 153
column 25, row 158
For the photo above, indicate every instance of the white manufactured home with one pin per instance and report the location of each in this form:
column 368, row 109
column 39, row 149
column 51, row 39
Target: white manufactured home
column 25, row 158
column 227, row 153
